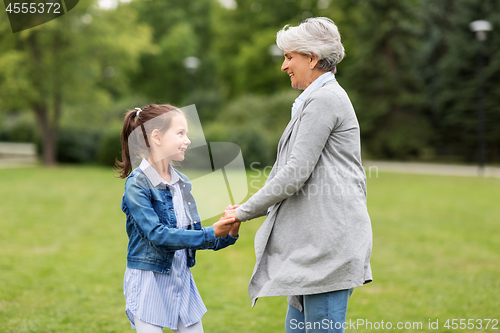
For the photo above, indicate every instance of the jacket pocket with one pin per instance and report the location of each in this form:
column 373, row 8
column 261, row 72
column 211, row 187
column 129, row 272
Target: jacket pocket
column 151, row 252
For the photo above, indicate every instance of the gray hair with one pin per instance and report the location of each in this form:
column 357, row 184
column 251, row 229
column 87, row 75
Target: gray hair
column 315, row 36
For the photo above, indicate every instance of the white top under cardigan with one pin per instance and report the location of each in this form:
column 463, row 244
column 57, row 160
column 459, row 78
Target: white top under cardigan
column 321, row 80
column 161, row 299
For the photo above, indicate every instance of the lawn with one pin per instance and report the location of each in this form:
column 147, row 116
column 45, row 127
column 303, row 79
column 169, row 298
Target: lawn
column 436, row 256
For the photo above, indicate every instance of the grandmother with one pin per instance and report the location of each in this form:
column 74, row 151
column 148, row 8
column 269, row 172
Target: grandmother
column 315, row 243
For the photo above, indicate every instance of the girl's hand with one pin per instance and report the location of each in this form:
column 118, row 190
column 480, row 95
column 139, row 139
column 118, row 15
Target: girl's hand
column 235, row 228
column 223, row 226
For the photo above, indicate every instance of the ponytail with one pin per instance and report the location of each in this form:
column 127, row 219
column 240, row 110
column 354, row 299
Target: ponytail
column 124, row 167
column 134, row 119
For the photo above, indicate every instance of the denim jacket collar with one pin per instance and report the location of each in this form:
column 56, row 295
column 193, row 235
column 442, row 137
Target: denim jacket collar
column 155, row 178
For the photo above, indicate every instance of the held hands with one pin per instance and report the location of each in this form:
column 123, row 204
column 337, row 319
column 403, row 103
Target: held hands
column 226, row 224
column 230, row 212
column 223, row 226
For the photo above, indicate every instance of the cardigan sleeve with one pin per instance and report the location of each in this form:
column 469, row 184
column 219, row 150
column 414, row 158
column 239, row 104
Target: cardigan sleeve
column 319, row 117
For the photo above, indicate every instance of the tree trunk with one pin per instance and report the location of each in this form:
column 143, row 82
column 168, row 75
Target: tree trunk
column 48, row 125
column 49, row 136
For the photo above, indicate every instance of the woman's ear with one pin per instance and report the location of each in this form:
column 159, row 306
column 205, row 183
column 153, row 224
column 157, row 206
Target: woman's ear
column 313, row 61
column 156, row 137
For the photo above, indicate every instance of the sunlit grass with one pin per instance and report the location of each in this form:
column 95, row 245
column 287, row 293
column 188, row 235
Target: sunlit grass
column 63, row 246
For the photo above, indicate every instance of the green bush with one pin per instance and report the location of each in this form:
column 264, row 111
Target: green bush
column 74, row 145
column 405, row 137
column 77, row 145
column 19, row 128
column 109, row 146
column 255, row 123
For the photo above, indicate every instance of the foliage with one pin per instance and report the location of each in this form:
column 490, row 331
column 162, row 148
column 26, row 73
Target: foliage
column 110, row 146
column 244, row 36
column 257, row 125
column 77, row 145
column 410, row 68
column 69, row 61
column 180, row 30
column 449, row 68
column 382, row 78
column 18, row 128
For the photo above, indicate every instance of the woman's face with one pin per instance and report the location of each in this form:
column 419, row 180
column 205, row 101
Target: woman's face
column 298, row 68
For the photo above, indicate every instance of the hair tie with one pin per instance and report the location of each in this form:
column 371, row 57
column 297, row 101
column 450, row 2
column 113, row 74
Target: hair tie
column 138, row 111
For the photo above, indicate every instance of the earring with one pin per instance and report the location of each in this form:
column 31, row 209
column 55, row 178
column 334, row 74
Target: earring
column 311, row 67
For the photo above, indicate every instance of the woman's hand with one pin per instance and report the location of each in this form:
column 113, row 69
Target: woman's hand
column 226, row 224
column 231, row 212
column 235, row 227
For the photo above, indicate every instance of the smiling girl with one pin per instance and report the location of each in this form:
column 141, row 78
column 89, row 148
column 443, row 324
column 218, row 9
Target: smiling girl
column 163, row 224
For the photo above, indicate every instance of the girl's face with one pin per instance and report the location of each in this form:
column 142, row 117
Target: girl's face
column 174, row 141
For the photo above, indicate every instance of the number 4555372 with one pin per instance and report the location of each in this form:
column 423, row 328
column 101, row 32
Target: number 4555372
column 33, row 8
column 471, row 324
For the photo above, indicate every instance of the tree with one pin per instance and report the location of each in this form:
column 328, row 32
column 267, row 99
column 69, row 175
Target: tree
column 381, row 76
column 181, row 29
column 449, row 68
column 244, row 34
column 79, row 58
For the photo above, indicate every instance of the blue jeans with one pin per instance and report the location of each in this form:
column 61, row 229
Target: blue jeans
column 322, row 313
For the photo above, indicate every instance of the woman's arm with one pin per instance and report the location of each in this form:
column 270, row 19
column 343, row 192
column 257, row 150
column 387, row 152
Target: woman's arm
column 318, row 120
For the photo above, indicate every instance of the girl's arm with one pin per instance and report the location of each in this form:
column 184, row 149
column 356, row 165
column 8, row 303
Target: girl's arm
column 140, row 209
column 228, row 240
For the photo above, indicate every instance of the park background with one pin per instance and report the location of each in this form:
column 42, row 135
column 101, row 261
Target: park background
column 411, row 70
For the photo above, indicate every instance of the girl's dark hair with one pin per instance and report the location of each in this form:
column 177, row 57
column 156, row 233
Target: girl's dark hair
column 124, row 167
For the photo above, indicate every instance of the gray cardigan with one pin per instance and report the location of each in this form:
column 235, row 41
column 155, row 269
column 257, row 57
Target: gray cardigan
column 317, row 236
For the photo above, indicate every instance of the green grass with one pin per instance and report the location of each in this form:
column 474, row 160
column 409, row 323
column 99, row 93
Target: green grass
column 63, row 248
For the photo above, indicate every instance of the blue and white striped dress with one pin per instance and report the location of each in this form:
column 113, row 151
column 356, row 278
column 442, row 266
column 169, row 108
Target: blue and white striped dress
column 163, row 299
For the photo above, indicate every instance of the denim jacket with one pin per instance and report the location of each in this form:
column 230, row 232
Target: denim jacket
column 152, row 225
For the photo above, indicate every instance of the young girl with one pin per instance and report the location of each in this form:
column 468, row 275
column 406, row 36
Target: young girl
column 163, row 224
